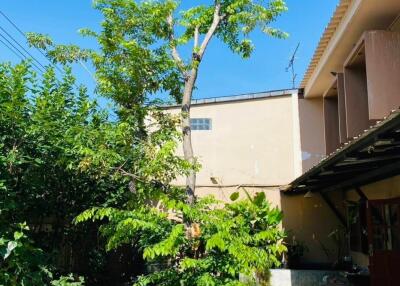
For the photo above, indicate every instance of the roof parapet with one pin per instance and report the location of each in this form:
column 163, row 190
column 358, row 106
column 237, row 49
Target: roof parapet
column 242, row 97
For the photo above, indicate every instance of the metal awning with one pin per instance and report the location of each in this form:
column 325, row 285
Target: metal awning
column 372, row 156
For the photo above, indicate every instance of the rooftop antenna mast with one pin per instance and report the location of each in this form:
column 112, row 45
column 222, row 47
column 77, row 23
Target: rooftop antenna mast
column 290, row 67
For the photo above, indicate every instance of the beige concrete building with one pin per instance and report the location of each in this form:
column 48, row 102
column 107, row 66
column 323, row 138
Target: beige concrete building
column 331, row 147
column 260, row 142
column 355, row 78
column 247, row 141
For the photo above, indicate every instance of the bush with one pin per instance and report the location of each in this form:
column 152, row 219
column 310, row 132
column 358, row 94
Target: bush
column 20, row 262
column 212, row 246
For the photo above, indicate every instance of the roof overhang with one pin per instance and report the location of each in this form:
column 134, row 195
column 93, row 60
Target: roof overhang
column 350, row 21
column 373, row 156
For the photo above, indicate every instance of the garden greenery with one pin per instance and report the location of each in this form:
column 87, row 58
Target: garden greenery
column 63, row 159
column 142, row 43
column 59, row 155
column 224, row 240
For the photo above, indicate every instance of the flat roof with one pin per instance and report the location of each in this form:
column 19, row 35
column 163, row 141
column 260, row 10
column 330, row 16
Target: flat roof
column 240, row 97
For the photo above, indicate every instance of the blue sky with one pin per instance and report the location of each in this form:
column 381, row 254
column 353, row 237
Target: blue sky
column 222, row 73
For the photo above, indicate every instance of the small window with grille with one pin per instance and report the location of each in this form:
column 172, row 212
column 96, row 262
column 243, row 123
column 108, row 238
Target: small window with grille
column 200, row 123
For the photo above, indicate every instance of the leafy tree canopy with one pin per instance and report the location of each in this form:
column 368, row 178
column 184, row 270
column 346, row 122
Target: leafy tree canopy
column 139, row 42
column 59, row 155
column 126, row 166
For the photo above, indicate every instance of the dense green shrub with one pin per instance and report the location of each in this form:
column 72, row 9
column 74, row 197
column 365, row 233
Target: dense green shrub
column 59, row 155
column 219, row 243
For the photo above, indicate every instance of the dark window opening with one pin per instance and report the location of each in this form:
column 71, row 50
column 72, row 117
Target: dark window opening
column 385, row 220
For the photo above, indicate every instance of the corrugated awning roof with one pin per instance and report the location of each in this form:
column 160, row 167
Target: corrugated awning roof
column 372, row 156
column 325, row 39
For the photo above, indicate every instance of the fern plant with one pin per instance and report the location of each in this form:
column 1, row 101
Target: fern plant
column 214, row 244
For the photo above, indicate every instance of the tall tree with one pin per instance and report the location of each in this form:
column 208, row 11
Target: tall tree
column 231, row 21
column 59, row 155
column 141, row 44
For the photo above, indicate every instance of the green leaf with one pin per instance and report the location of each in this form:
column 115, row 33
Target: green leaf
column 259, row 199
column 18, row 235
column 10, row 247
column 234, row 196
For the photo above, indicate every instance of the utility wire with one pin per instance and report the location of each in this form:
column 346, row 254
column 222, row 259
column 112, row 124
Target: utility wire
column 54, row 65
column 23, row 34
column 27, row 52
column 19, row 52
column 8, row 47
column 39, row 50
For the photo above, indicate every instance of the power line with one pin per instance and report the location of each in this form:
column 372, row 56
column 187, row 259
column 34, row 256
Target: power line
column 39, row 50
column 8, row 47
column 23, row 34
column 54, row 65
column 19, row 52
column 12, row 23
column 27, row 52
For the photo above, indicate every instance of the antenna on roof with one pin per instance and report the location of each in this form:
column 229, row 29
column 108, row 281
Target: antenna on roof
column 290, row 66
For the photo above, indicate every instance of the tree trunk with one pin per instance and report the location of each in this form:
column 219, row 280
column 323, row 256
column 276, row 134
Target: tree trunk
column 187, row 136
column 187, row 98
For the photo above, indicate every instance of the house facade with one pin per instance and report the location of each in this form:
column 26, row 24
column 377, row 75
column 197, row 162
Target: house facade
column 258, row 142
column 355, row 75
column 239, row 144
column 327, row 154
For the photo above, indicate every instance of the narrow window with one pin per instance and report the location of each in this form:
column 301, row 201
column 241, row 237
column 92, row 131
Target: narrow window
column 200, row 123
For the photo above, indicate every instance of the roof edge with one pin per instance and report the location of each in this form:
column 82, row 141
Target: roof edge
column 326, row 38
column 240, row 97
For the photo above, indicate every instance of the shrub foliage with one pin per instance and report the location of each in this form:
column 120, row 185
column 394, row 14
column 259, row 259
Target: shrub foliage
column 221, row 242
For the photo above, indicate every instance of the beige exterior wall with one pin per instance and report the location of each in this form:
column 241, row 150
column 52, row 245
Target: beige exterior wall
column 312, row 136
column 352, row 18
column 251, row 143
column 360, row 16
column 310, row 221
column 258, row 145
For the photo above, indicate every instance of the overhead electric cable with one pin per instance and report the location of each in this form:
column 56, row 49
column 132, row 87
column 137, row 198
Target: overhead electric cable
column 19, row 52
column 23, row 34
column 8, row 47
column 40, row 50
column 27, row 52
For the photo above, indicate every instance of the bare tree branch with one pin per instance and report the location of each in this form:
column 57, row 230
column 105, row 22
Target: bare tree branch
column 196, row 37
column 174, row 50
column 211, row 30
